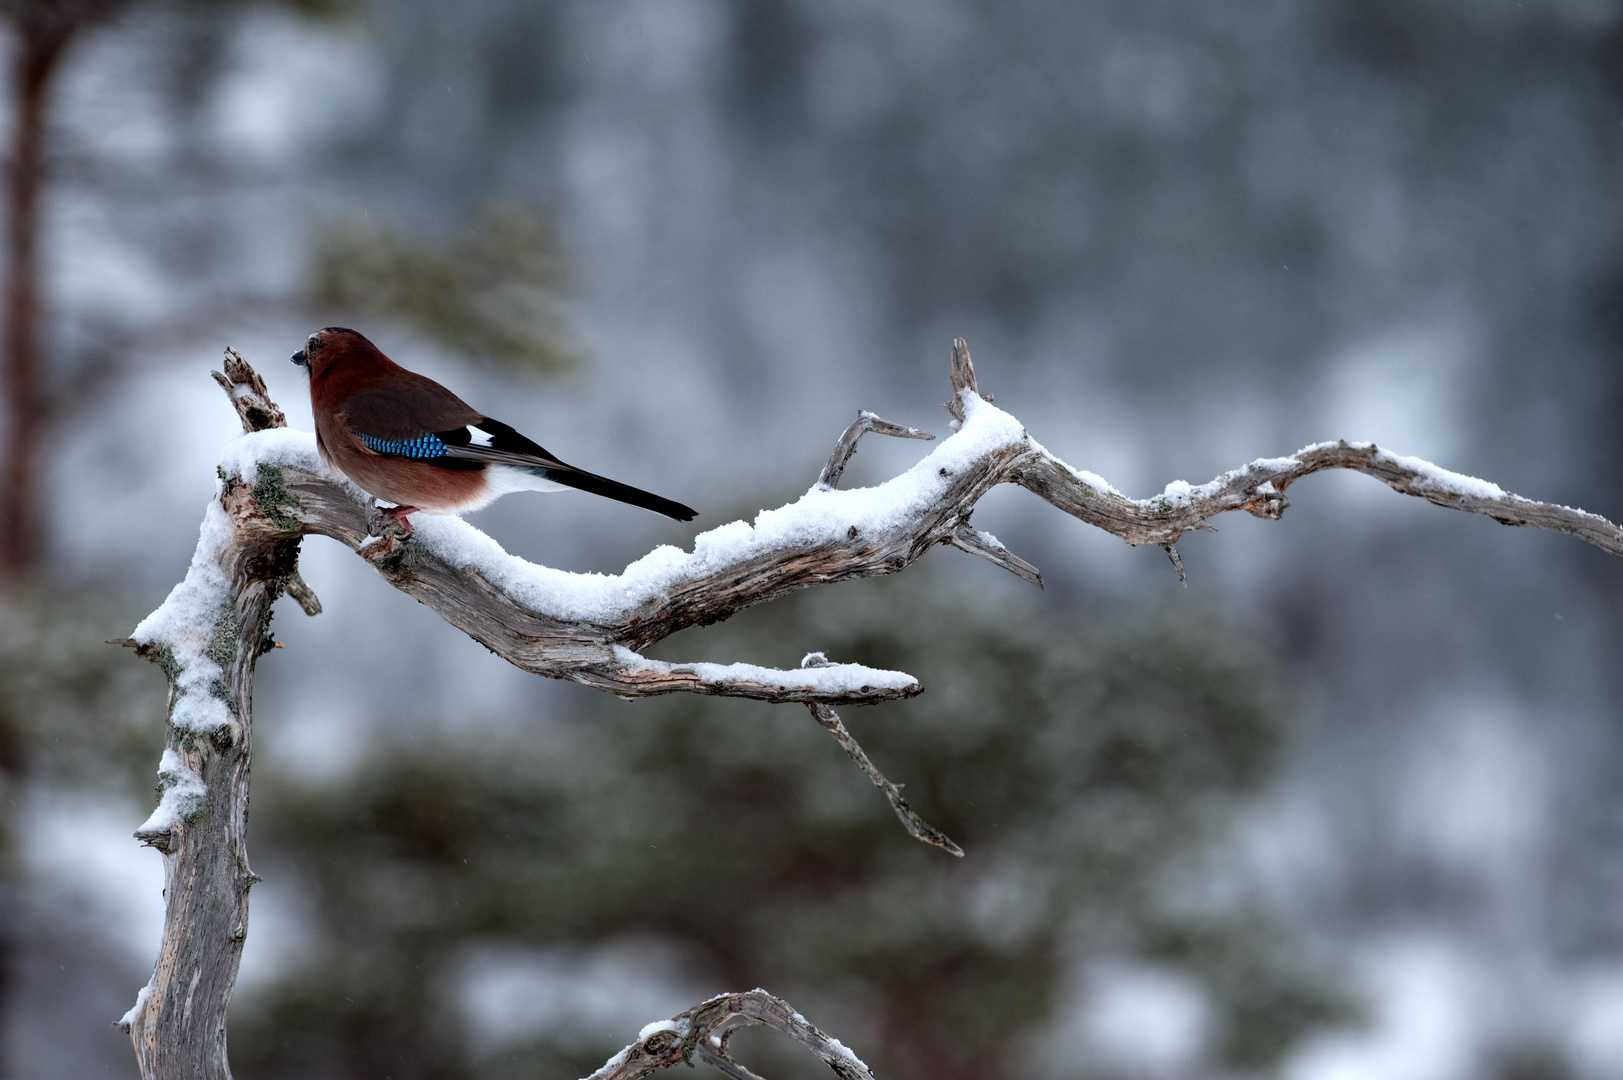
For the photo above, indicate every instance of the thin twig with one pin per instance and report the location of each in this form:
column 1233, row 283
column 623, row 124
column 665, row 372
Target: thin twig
column 989, row 547
column 847, row 446
column 916, row 826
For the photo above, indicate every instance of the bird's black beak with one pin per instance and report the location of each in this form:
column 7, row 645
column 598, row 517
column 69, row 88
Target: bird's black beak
column 300, row 359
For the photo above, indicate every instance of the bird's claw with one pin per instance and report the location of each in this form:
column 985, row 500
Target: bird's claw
column 389, row 524
column 398, row 515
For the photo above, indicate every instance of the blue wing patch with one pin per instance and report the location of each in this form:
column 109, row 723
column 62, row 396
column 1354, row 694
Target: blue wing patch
column 422, row 447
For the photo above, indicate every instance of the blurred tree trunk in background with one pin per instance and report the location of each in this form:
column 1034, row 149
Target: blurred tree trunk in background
column 43, row 31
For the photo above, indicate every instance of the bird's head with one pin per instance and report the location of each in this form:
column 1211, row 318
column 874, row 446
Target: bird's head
column 327, row 348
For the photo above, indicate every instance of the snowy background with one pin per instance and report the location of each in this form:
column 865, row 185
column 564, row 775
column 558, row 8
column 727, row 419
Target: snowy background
column 1177, row 235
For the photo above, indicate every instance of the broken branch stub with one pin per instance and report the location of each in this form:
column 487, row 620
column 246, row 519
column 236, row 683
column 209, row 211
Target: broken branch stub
column 847, row 445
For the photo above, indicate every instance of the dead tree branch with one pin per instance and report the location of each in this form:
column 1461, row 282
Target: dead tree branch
column 703, row 1031
column 590, row 628
column 830, row 722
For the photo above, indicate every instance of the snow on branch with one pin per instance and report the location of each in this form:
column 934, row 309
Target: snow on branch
column 591, row 628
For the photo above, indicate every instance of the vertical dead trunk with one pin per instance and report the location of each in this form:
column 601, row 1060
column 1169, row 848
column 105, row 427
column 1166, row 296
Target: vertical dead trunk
column 178, row 1022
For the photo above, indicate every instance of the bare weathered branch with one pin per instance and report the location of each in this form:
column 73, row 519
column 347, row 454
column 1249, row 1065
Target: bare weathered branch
column 702, row 1033
column 248, row 394
column 200, row 825
column 989, row 547
column 1259, row 489
column 962, row 376
column 847, row 446
column 916, row 826
column 300, row 593
column 1177, row 564
column 591, row 628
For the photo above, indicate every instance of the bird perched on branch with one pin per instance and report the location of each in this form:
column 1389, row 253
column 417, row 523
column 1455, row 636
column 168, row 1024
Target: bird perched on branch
column 408, row 440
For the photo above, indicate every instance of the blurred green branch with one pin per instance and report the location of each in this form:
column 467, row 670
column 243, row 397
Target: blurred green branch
column 1082, row 768
column 493, row 294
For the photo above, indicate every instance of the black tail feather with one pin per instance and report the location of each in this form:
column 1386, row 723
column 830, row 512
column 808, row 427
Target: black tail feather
column 613, row 489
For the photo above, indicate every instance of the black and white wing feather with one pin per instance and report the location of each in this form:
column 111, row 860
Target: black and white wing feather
column 494, row 443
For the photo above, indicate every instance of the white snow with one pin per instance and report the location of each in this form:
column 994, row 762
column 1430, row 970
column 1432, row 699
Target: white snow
column 1436, row 478
column 613, row 1063
column 243, row 455
column 185, row 624
column 649, row 1030
column 833, row 679
column 819, row 516
column 128, row 1019
column 183, row 792
column 1311, row 447
column 844, row 1052
column 1181, row 493
column 186, row 621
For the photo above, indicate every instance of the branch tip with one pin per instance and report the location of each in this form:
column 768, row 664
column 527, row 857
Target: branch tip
column 249, row 394
column 846, row 447
column 1177, row 562
column 300, row 592
column 916, row 826
column 990, row 548
column 963, row 378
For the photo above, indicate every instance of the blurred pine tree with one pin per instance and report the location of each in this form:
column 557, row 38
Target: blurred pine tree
column 1077, row 770
column 492, row 294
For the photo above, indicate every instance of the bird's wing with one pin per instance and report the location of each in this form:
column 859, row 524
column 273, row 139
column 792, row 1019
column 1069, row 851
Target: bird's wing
column 492, row 442
column 405, row 407
column 421, row 420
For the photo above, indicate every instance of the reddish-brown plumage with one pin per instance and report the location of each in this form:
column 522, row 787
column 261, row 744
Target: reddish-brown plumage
column 408, row 440
column 347, row 374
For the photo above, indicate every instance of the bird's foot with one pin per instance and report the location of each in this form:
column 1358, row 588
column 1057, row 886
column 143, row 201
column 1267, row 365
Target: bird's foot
column 397, row 514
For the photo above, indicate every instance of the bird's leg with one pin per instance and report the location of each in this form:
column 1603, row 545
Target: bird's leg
column 397, row 514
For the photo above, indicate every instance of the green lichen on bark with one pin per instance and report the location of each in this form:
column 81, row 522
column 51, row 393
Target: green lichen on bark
column 223, row 645
column 165, row 658
column 271, row 495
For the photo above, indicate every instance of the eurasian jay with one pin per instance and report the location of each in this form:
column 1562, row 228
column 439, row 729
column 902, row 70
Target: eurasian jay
column 408, row 440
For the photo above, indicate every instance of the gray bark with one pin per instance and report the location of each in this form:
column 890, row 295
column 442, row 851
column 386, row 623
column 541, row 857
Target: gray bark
column 178, row 1022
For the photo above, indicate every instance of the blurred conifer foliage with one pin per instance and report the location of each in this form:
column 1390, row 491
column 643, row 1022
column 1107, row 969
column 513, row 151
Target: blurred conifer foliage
column 492, row 294
column 1079, row 770
column 73, row 710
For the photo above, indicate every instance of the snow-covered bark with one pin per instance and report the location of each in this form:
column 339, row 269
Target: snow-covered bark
column 207, row 636
column 591, row 628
